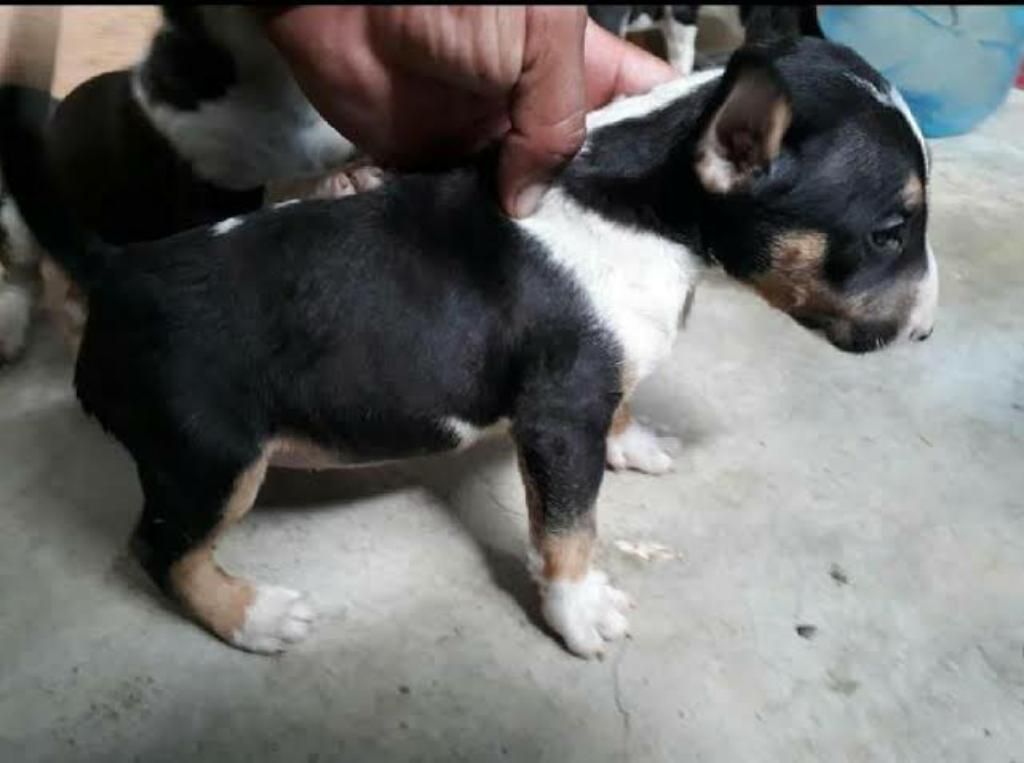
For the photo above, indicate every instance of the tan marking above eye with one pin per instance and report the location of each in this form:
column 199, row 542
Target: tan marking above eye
column 912, row 194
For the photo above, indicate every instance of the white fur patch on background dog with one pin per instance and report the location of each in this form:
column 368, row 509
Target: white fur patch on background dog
column 276, row 618
column 636, row 282
column 680, row 41
column 243, row 141
column 263, row 128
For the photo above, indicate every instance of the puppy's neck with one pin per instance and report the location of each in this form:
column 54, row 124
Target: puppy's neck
column 622, row 220
column 637, row 165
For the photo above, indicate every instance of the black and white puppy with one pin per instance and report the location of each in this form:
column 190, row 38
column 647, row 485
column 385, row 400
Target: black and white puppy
column 411, row 318
column 209, row 124
column 190, row 135
column 220, row 92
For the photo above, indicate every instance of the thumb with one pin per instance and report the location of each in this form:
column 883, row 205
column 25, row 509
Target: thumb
column 615, row 67
column 547, row 109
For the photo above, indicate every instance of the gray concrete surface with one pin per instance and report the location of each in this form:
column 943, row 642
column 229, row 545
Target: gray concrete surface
column 879, row 499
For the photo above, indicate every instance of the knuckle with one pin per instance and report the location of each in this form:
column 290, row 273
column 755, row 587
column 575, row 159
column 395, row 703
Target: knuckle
column 563, row 138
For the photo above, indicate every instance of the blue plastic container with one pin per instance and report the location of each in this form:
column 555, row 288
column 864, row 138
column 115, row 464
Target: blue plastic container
column 953, row 64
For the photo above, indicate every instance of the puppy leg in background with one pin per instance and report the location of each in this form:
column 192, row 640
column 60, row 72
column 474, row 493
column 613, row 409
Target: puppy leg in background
column 354, row 177
column 679, row 25
column 561, row 459
column 15, row 316
column 19, row 255
column 191, row 498
column 631, row 445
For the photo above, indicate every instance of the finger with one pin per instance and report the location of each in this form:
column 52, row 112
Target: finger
column 547, row 108
column 616, row 67
column 427, row 137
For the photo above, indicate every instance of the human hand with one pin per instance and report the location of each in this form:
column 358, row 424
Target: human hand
column 413, row 85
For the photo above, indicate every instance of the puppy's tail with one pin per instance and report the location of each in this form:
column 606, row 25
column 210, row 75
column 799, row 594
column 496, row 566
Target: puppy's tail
column 29, row 178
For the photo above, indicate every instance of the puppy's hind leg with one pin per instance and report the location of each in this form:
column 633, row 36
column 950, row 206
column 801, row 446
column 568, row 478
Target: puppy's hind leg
column 186, row 511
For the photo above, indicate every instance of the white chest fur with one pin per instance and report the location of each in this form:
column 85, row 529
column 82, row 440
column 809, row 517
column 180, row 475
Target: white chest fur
column 636, row 282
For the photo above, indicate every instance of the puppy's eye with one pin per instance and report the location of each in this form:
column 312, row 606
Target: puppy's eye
column 889, row 239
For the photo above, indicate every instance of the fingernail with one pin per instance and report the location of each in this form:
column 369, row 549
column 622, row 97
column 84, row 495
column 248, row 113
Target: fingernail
column 529, row 199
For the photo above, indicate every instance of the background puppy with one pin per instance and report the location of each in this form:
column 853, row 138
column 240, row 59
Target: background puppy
column 668, row 31
column 193, row 134
column 19, row 259
column 673, row 31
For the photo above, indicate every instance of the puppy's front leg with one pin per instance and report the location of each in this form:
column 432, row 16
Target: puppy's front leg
column 631, row 445
column 561, row 459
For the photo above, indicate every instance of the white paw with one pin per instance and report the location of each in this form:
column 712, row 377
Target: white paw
column 276, row 618
column 586, row 613
column 637, row 447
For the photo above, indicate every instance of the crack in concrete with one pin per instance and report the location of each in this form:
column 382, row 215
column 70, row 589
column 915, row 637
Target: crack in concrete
column 619, row 705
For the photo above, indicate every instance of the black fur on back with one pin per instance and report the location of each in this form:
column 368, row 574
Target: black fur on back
column 359, row 323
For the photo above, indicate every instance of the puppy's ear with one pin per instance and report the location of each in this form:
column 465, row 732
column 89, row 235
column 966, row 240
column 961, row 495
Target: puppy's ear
column 744, row 135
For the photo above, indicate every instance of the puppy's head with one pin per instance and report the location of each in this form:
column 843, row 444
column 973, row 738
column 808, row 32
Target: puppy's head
column 816, row 182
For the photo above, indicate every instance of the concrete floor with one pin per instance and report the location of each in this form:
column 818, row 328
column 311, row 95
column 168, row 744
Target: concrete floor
column 877, row 499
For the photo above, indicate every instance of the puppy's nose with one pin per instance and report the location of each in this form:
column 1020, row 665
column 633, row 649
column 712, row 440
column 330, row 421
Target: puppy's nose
column 919, row 335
